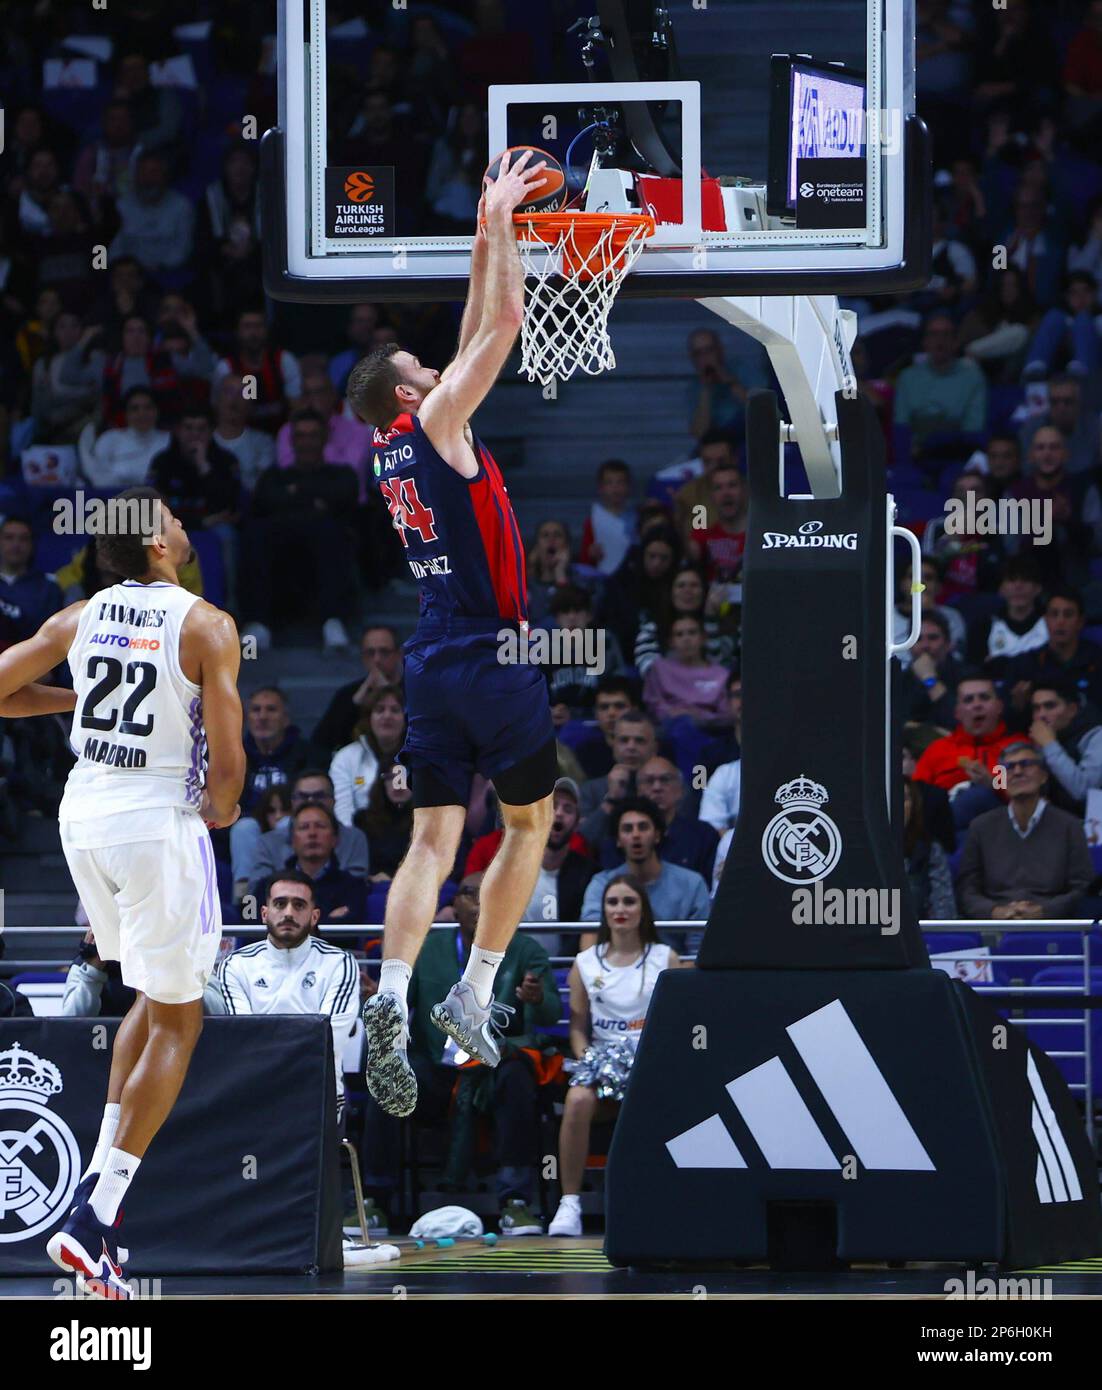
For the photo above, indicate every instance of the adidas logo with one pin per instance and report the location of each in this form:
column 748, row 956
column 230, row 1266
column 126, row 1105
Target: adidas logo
column 781, row 1123
column 122, row 1172
column 262, row 983
column 1056, row 1179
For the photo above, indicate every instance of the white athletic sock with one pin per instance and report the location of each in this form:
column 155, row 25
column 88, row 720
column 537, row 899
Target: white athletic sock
column 116, row 1176
column 108, row 1125
column 571, row 1199
column 480, row 972
column 394, row 976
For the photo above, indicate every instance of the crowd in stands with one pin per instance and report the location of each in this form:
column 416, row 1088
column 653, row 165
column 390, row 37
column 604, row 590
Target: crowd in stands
column 988, row 385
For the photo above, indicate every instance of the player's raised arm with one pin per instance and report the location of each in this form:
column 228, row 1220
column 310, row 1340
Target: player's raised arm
column 216, row 643
column 28, row 661
column 476, row 290
column 469, row 378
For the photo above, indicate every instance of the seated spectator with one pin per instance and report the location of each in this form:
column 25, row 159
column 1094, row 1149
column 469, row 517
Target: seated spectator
column 158, row 116
column 1073, row 534
column 926, row 862
column 963, row 763
column 719, row 547
column 381, row 654
column 294, row 971
column 27, row 596
column 348, row 440
column 611, row 983
column 1000, row 462
column 693, row 507
column 931, row 603
column 453, row 182
column 1083, row 72
column 338, row 895
column 200, row 483
column 1068, row 332
column 941, row 392
column 228, row 236
column 716, row 400
column 676, row 894
column 953, row 279
column 930, row 681
column 122, row 458
column 1027, row 861
column 634, row 742
column 613, row 696
column 104, row 169
column 63, row 254
column 275, row 750
column 1018, row 625
column 610, row 526
column 726, row 747
column 485, row 846
column 311, row 787
column 157, row 223
column 387, row 821
column 1087, row 254
column 1065, row 654
column 688, row 597
column 1066, row 412
column 722, row 797
column 937, row 815
column 1068, row 734
column 303, row 510
column 246, row 833
column 684, row 684
column 139, row 363
column 273, row 374
column 969, row 559
column 253, row 449
column 641, row 584
column 551, row 568
column 93, row 987
column 27, row 220
column 587, row 652
column 508, row 1092
column 128, row 291
column 363, row 319
column 997, row 331
column 1033, row 242
column 378, row 737
column 60, row 411
column 564, row 873
column 688, row 841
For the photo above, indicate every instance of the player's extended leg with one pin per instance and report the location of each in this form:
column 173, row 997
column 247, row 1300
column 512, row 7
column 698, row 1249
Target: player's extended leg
column 467, row 1013
column 127, row 1048
column 86, row 1244
column 410, row 909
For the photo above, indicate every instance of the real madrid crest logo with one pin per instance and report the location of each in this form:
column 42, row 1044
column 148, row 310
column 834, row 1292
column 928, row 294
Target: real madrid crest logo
column 801, row 844
column 39, row 1156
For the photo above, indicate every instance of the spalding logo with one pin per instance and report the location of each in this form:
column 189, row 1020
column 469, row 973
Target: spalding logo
column 359, row 187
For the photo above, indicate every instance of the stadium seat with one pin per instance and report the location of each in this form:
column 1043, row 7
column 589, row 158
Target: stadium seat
column 1044, row 944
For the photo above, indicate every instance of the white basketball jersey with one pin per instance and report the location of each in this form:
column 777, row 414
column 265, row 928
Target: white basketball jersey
column 619, row 995
column 138, row 723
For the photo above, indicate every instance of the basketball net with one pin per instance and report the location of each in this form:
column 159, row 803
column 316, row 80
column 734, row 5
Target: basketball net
column 574, row 264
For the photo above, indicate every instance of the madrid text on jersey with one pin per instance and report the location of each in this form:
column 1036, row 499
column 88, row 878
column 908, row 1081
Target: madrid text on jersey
column 98, row 750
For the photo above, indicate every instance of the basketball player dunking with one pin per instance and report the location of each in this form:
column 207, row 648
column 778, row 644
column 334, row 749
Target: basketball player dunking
column 467, row 710
column 155, row 678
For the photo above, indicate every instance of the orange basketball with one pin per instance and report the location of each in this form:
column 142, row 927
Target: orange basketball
column 359, row 187
column 549, row 194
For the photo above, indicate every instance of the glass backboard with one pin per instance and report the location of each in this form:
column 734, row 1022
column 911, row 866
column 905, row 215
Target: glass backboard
column 774, row 143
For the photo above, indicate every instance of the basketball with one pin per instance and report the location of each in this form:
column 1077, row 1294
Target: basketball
column 550, row 193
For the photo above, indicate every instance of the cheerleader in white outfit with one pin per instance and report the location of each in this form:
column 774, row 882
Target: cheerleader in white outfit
column 611, row 985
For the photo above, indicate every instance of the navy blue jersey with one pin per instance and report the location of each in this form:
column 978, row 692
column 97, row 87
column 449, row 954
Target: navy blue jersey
column 461, row 539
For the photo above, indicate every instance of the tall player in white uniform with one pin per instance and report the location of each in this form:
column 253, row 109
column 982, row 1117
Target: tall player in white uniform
column 157, row 734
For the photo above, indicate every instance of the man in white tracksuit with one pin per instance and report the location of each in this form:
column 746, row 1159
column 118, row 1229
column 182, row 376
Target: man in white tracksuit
column 292, row 971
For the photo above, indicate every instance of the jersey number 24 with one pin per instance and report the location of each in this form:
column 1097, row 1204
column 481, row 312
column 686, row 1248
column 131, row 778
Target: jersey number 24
column 407, row 510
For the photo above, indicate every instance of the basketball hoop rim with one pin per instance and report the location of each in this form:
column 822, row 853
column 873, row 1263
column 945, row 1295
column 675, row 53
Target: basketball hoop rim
column 550, row 227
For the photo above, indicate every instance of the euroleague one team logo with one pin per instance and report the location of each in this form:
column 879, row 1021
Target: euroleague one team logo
column 359, row 187
column 801, row 843
column 806, row 190
column 39, row 1155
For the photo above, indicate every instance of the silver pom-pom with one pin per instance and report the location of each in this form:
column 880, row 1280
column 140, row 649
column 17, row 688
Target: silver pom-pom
column 605, row 1067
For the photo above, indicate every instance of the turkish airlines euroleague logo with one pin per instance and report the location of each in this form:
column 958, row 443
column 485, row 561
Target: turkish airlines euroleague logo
column 359, row 187
column 360, row 202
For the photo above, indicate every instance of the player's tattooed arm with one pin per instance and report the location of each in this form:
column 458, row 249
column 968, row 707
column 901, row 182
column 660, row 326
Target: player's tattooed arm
column 27, row 662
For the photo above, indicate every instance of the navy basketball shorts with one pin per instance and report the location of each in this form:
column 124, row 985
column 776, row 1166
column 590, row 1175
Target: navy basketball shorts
column 468, row 711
